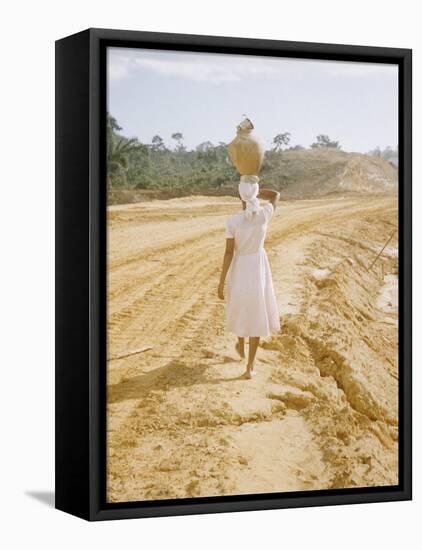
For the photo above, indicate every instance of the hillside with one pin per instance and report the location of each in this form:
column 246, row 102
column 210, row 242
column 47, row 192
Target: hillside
column 318, row 172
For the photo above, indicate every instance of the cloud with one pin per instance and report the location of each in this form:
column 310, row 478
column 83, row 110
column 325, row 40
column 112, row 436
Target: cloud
column 191, row 66
column 215, row 68
column 206, row 68
column 355, row 69
column 118, row 69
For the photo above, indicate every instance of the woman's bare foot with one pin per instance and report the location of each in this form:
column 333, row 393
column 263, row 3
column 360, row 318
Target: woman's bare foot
column 250, row 372
column 240, row 350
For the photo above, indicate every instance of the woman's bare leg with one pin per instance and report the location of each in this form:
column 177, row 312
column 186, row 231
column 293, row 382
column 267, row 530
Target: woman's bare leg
column 253, row 346
column 240, row 347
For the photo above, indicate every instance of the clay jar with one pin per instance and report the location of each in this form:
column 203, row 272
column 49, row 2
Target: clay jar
column 246, row 151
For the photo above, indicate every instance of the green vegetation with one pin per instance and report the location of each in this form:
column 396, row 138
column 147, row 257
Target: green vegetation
column 324, row 141
column 134, row 165
column 390, row 154
column 153, row 167
column 280, row 140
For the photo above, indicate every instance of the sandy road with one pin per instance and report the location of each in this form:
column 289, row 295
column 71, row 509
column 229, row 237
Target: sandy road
column 322, row 411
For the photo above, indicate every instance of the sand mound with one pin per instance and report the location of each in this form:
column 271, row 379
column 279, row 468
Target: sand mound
column 318, row 172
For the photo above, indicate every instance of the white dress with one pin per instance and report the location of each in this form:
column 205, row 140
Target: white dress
column 251, row 306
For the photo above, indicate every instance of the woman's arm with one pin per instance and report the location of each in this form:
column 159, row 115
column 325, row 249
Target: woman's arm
column 227, row 260
column 269, row 195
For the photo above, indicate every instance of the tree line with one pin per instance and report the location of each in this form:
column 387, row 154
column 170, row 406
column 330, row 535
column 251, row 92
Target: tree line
column 135, row 165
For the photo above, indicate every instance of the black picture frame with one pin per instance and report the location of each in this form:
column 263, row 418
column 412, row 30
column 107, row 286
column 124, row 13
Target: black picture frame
column 81, row 272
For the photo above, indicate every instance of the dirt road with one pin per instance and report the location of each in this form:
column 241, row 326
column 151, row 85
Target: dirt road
column 322, row 410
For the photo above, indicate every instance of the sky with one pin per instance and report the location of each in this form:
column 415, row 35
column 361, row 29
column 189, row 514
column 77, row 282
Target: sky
column 204, row 96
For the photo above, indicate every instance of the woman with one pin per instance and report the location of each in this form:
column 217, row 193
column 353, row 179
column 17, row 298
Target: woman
column 251, row 308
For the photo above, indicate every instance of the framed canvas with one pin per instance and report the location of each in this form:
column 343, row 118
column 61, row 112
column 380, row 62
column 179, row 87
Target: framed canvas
column 233, row 274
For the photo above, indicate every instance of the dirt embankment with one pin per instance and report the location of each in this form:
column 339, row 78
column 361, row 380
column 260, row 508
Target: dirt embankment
column 319, row 172
column 322, row 411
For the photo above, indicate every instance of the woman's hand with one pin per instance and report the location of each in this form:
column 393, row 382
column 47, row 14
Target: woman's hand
column 220, row 291
column 269, row 195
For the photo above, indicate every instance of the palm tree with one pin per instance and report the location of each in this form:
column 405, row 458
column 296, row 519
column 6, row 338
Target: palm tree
column 118, row 151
